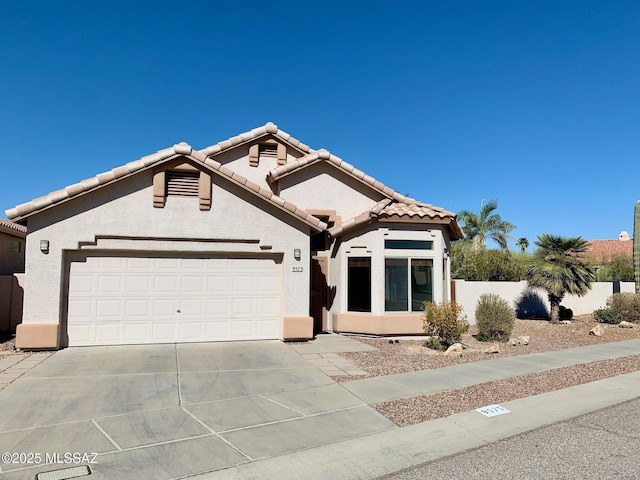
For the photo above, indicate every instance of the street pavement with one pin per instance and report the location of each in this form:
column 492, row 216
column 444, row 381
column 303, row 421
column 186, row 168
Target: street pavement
column 602, row 445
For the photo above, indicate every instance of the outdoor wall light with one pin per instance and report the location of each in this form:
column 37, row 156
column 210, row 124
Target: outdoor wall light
column 297, row 254
column 44, row 246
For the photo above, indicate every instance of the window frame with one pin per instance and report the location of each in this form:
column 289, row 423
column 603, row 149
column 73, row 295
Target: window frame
column 409, row 255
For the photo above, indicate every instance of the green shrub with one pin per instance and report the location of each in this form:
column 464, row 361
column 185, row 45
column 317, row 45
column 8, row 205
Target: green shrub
column 627, row 304
column 607, row 315
column 565, row 313
column 487, row 265
column 494, row 317
column 446, row 321
column 618, row 268
column 434, row 344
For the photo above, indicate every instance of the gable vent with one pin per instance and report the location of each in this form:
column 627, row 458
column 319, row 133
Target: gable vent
column 268, row 150
column 182, row 184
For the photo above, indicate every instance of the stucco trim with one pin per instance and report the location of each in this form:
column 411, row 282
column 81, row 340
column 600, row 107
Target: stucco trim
column 38, row 336
column 297, row 328
column 388, row 324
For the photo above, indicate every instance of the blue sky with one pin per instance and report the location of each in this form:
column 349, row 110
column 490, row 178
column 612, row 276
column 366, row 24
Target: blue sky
column 534, row 103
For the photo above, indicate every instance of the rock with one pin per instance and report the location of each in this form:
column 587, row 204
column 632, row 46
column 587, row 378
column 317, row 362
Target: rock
column 513, row 341
column 454, row 350
column 523, row 339
column 565, row 322
column 493, row 348
column 625, row 324
column 598, row 331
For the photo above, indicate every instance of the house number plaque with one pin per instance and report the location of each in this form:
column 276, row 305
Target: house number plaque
column 492, row 410
column 296, row 269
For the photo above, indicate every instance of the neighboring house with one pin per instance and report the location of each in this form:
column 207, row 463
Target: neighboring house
column 12, row 243
column 12, row 246
column 256, row 237
column 606, row 250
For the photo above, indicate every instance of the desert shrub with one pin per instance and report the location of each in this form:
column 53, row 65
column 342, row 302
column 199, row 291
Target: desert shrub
column 494, row 317
column 446, row 321
column 619, row 268
column 434, row 344
column 607, row 315
column 627, row 304
column 565, row 313
column 487, row 265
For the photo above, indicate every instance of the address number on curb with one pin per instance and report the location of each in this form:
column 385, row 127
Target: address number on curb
column 296, row 269
column 492, row 410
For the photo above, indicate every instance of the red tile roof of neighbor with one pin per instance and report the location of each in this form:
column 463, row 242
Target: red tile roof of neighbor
column 606, row 249
column 12, row 228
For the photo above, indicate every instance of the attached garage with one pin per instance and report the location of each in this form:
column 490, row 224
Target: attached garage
column 137, row 299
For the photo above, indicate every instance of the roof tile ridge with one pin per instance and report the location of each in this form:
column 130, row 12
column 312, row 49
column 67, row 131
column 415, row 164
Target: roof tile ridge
column 267, row 128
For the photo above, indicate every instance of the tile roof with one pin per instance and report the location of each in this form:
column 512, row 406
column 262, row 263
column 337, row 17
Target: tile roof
column 12, row 228
column 416, row 212
column 22, row 211
column 606, row 249
column 324, row 155
column 268, row 128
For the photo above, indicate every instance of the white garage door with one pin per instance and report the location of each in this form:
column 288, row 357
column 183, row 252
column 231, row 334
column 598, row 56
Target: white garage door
column 132, row 300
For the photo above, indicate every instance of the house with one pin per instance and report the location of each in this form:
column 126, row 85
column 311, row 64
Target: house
column 12, row 247
column 12, row 242
column 606, row 250
column 256, row 237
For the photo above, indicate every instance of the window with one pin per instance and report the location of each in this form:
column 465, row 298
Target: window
column 408, row 282
column 14, row 246
column 409, row 244
column 359, row 284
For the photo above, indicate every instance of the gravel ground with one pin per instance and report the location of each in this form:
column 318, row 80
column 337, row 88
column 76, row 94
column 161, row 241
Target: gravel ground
column 412, row 355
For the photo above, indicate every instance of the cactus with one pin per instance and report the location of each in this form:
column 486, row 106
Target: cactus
column 636, row 245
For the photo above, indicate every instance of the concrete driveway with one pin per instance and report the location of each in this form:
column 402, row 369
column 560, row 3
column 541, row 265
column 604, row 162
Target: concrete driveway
column 168, row 411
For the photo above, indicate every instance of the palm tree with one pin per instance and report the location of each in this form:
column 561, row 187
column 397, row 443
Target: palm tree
column 478, row 228
column 523, row 243
column 558, row 267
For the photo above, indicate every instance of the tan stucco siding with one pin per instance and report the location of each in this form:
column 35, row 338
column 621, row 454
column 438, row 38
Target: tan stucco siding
column 125, row 209
column 321, row 186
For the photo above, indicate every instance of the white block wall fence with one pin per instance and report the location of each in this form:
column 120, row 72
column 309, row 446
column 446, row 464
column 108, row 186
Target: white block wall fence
column 529, row 302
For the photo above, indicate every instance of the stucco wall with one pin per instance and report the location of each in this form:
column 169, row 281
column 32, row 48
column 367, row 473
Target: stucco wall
column 468, row 294
column 322, row 186
column 125, row 208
